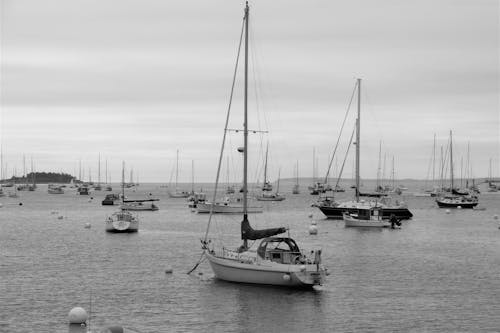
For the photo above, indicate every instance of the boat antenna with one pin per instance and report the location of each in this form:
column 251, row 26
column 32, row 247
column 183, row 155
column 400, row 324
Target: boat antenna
column 358, row 126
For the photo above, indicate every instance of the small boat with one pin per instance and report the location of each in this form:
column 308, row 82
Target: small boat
column 53, row 189
column 455, row 198
column 296, row 187
column 226, row 206
column 266, row 196
column 139, row 205
column 365, row 217
column 122, row 221
column 83, row 190
column 455, row 201
column 178, row 193
column 109, row 199
column 196, row 198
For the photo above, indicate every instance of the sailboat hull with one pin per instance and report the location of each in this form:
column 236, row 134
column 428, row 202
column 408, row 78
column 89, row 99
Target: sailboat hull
column 226, row 209
column 266, row 274
column 337, row 212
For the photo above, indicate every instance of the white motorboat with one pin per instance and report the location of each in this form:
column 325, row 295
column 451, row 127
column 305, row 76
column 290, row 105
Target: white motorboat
column 369, row 217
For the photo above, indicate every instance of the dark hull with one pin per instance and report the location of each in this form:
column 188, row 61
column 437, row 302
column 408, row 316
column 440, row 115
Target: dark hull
column 455, row 205
column 108, row 202
column 126, row 231
column 336, row 212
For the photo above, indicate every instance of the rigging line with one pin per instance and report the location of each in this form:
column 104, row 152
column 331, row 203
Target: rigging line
column 345, row 158
column 225, row 130
column 340, row 134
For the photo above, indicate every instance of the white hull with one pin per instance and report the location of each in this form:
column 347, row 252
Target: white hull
column 221, row 208
column 139, row 207
column 122, row 222
column 122, row 226
column 266, row 272
column 354, row 222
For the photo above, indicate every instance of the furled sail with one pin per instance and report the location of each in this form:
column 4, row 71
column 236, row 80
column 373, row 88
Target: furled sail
column 247, row 232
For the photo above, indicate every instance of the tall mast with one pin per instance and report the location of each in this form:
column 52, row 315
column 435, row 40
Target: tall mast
column 99, row 171
column 451, row 160
column 123, row 181
column 192, row 176
column 176, row 169
column 265, row 165
column 379, row 171
column 106, row 170
column 245, row 120
column 358, row 126
column 434, row 161
column 314, row 165
column 278, row 185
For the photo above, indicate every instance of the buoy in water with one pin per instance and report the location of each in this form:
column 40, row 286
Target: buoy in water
column 447, row 211
column 313, row 222
column 77, row 315
column 169, row 270
column 313, row 230
column 87, row 225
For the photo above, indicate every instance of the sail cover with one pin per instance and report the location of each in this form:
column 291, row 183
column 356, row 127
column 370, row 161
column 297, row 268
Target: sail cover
column 247, row 232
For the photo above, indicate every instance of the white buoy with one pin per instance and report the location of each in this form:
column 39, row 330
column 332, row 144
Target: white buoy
column 87, row 225
column 77, row 315
column 313, row 230
column 169, row 270
column 286, row 277
column 313, row 222
column 447, row 211
column 459, row 207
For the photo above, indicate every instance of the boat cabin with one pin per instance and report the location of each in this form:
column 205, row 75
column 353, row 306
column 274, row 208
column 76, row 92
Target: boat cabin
column 368, row 214
column 282, row 250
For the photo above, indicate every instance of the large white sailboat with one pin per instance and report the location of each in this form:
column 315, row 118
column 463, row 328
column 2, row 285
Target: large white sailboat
column 276, row 260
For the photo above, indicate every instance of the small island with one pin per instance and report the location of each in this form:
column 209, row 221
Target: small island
column 41, row 178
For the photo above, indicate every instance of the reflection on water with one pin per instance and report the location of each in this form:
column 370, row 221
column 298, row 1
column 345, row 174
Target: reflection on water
column 439, row 272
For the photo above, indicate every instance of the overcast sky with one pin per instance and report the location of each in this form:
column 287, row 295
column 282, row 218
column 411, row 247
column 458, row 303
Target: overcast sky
column 137, row 80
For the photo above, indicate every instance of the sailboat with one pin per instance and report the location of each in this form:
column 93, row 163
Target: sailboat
column 296, row 188
column 266, row 185
column 276, row 196
column 178, row 193
column 335, row 210
column 277, row 260
column 455, row 199
column 122, row 221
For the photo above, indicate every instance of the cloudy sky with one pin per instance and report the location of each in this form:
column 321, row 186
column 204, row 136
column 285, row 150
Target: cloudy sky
column 136, row 80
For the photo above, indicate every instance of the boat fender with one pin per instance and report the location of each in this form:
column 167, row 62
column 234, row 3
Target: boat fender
column 286, row 277
column 77, row 315
column 302, row 268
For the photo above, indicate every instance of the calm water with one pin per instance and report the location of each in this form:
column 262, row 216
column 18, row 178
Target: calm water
column 438, row 273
